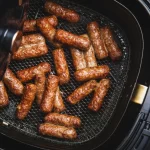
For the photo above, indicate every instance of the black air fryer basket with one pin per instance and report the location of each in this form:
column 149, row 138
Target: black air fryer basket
column 93, row 124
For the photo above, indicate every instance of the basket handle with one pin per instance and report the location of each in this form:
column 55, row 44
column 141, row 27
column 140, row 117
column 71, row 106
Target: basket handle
column 146, row 5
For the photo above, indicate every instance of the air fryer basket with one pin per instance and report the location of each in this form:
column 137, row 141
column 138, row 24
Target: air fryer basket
column 92, row 123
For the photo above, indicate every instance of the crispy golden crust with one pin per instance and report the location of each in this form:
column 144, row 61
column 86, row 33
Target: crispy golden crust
column 29, row 73
column 31, row 46
column 97, row 72
column 63, row 119
column 40, row 80
column 49, row 95
column 52, row 20
column 32, row 39
column 89, row 55
column 61, row 66
column 59, row 105
column 47, row 30
column 97, row 42
column 30, row 51
column 99, row 95
column 26, row 102
column 60, row 11
column 57, row 131
column 73, row 40
column 78, row 59
column 14, row 84
column 4, row 101
column 114, row 51
column 30, row 25
column 81, row 92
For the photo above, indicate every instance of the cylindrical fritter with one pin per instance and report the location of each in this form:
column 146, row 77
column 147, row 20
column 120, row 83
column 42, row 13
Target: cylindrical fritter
column 40, row 80
column 29, row 73
column 78, row 59
column 81, row 92
column 63, row 119
column 52, row 20
column 26, row 102
column 112, row 47
column 30, row 25
column 32, row 39
column 72, row 40
column 60, row 11
column 59, row 105
column 14, row 84
column 92, row 73
column 30, row 51
column 4, row 101
column 99, row 95
column 97, row 42
column 31, row 46
column 47, row 30
column 89, row 56
column 49, row 95
column 61, row 66
column 57, row 131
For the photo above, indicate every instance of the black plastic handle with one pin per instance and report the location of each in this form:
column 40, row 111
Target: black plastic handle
column 9, row 41
column 146, row 5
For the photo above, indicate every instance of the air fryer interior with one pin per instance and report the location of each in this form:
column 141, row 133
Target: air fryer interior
column 92, row 123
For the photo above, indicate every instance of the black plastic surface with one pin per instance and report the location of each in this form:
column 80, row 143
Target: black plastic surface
column 6, row 37
column 139, row 135
column 146, row 5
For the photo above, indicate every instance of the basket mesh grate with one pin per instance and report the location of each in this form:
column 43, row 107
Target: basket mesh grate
column 93, row 123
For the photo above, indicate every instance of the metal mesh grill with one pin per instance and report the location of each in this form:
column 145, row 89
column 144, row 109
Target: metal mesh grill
column 92, row 123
